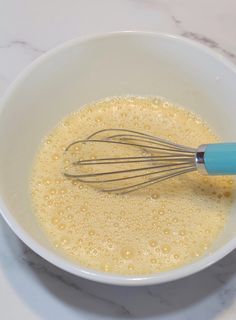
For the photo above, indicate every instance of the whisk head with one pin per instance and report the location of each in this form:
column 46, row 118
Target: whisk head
column 122, row 161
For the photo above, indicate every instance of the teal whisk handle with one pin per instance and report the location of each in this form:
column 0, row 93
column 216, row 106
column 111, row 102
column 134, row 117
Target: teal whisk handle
column 217, row 159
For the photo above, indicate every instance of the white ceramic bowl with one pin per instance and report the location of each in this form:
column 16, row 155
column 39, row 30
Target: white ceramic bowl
column 82, row 71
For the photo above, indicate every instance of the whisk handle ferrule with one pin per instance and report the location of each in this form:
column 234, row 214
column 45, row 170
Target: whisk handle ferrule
column 218, row 158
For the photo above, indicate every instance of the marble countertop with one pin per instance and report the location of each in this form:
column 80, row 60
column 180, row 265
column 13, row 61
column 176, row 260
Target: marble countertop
column 31, row 288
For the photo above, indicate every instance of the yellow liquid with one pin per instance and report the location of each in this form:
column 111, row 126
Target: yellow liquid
column 151, row 230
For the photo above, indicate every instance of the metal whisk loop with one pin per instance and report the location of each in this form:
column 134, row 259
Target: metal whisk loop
column 136, row 134
column 161, row 160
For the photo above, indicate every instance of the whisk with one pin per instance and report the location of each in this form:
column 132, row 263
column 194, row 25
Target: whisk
column 154, row 160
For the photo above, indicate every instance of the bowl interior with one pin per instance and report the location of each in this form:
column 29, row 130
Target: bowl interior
column 81, row 72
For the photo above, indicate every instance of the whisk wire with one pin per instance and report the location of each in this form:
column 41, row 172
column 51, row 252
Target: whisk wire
column 140, row 134
column 127, row 160
column 88, row 175
column 135, row 187
column 165, row 160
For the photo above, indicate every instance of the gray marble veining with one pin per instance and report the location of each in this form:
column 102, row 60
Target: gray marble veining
column 32, row 288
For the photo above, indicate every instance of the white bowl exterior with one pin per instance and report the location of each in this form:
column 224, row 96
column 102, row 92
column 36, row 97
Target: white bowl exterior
column 79, row 72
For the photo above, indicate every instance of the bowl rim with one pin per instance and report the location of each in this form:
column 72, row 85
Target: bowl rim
column 68, row 265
